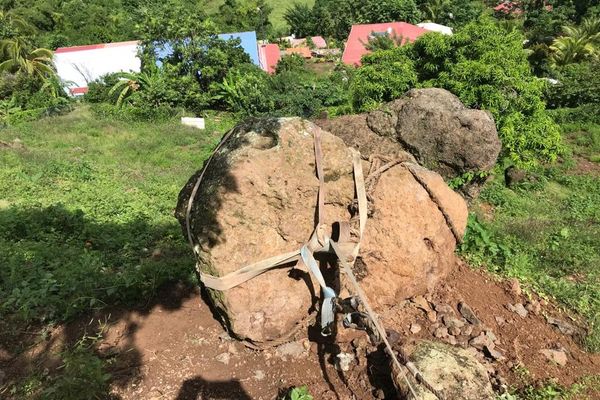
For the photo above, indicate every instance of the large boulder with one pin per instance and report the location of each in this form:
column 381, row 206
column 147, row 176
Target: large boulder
column 257, row 200
column 454, row 372
column 433, row 125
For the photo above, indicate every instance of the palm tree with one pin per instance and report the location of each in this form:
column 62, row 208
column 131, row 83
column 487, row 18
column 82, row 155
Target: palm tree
column 16, row 56
column 578, row 43
column 434, row 10
column 130, row 82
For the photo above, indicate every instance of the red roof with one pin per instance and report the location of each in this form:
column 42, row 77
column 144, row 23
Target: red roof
column 301, row 51
column 78, row 90
column 95, row 46
column 319, row 42
column 359, row 36
column 269, row 57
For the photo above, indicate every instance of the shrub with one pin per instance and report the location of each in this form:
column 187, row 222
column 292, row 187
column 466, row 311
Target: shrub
column 484, row 66
column 384, row 76
column 290, row 62
column 578, row 84
column 245, row 90
column 98, row 90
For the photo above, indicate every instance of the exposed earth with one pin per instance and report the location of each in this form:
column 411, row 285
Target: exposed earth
column 175, row 349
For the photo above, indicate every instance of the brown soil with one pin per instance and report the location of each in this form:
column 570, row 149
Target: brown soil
column 174, row 349
column 583, row 166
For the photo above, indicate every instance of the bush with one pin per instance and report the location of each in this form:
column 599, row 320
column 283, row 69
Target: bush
column 579, row 84
column 245, row 90
column 98, row 90
column 484, row 66
column 291, row 62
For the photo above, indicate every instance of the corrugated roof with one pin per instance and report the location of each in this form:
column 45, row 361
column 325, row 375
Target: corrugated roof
column 359, row 36
column 301, row 51
column 94, row 46
column 269, row 56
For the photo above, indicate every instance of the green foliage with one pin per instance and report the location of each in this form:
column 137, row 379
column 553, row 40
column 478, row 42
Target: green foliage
column 486, row 68
column 98, row 90
column 299, row 393
column 334, row 18
column 245, row 15
column 579, row 43
column 547, row 235
column 290, row 62
column 245, row 90
column 385, row 75
column 452, row 13
column 86, row 211
column 579, row 84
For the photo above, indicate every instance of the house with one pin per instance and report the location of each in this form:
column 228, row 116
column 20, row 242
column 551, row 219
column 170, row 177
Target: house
column 79, row 65
column 301, row 51
column 430, row 26
column 269, row 55
column 360, row 35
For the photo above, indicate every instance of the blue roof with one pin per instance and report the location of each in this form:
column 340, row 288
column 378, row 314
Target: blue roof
column 248, row 43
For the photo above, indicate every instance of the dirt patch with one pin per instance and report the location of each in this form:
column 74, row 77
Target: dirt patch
column 175, row 349
column 583, row 166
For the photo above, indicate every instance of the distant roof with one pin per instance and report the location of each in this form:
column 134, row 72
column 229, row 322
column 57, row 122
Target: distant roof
column 301, row 51
column 248, row 43
column 359, row 36
column 319, row 42
column 95, row 46
column 431, row 26
column 269, row 57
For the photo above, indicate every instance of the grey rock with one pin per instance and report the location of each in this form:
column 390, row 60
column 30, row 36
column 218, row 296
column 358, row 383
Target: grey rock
column 493, row 353
column 291, row 349
column 441, row 332
column 468, row 313
column 223, row 358
column 454, row 331
column 452, row 322
column 515, row 287
column 557, row 356
column 444, row 309
column 518, row 309
column 343, row 361
column 534, row 306
column 453, row 371
column 415, row 328
column 564, row 327
column 500, row 321
column 467, row 330
column 481, row 341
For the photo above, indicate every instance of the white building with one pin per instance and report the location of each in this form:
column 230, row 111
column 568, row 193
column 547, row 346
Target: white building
column 430, row 26
column 79, row 65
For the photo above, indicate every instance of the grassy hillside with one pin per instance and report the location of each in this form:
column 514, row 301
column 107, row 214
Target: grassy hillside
column 86, row 211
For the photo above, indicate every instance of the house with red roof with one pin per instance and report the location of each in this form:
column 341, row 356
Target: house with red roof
column 80, row 65
column 303, row 52
column 269, row 55
column 360, row 34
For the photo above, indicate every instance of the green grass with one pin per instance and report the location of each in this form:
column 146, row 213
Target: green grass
column 547, row 234
column 86, row 211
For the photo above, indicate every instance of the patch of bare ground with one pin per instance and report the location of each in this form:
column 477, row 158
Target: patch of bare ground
column 174, row 348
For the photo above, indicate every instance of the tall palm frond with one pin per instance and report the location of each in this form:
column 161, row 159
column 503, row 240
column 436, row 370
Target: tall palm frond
column 578, row 43
column 16, row 56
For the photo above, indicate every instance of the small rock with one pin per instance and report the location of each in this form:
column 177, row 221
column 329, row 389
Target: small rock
column 467, row 330
column 306, row 344
column 379, row 394
column 564, row 327
column 232, row 349
column 223, row 358
column 291, row 349
column 452, row 322
column 493, row 353
column 454, row 331
column 421, row 303
column 500, row 321
column 491, row 335
column 415, row 328
column 432, row 316
column 519, row 309
column 259, row 375
column 481, row 341
column 477, row 330
column 444, row 309
column 515, row 287
column 557, row 356
column 452, row 340
column 343, row 361
column 441, row 332
column 468, row 313
column 534, row 307
column 225, row 337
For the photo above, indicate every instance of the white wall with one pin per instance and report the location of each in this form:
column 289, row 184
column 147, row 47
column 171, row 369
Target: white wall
column 78, row 66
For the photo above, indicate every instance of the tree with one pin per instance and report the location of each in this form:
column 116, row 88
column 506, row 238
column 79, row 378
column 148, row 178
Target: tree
column 578, row 43
column 244, row 16
column 300, row 19
column 18, row 57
